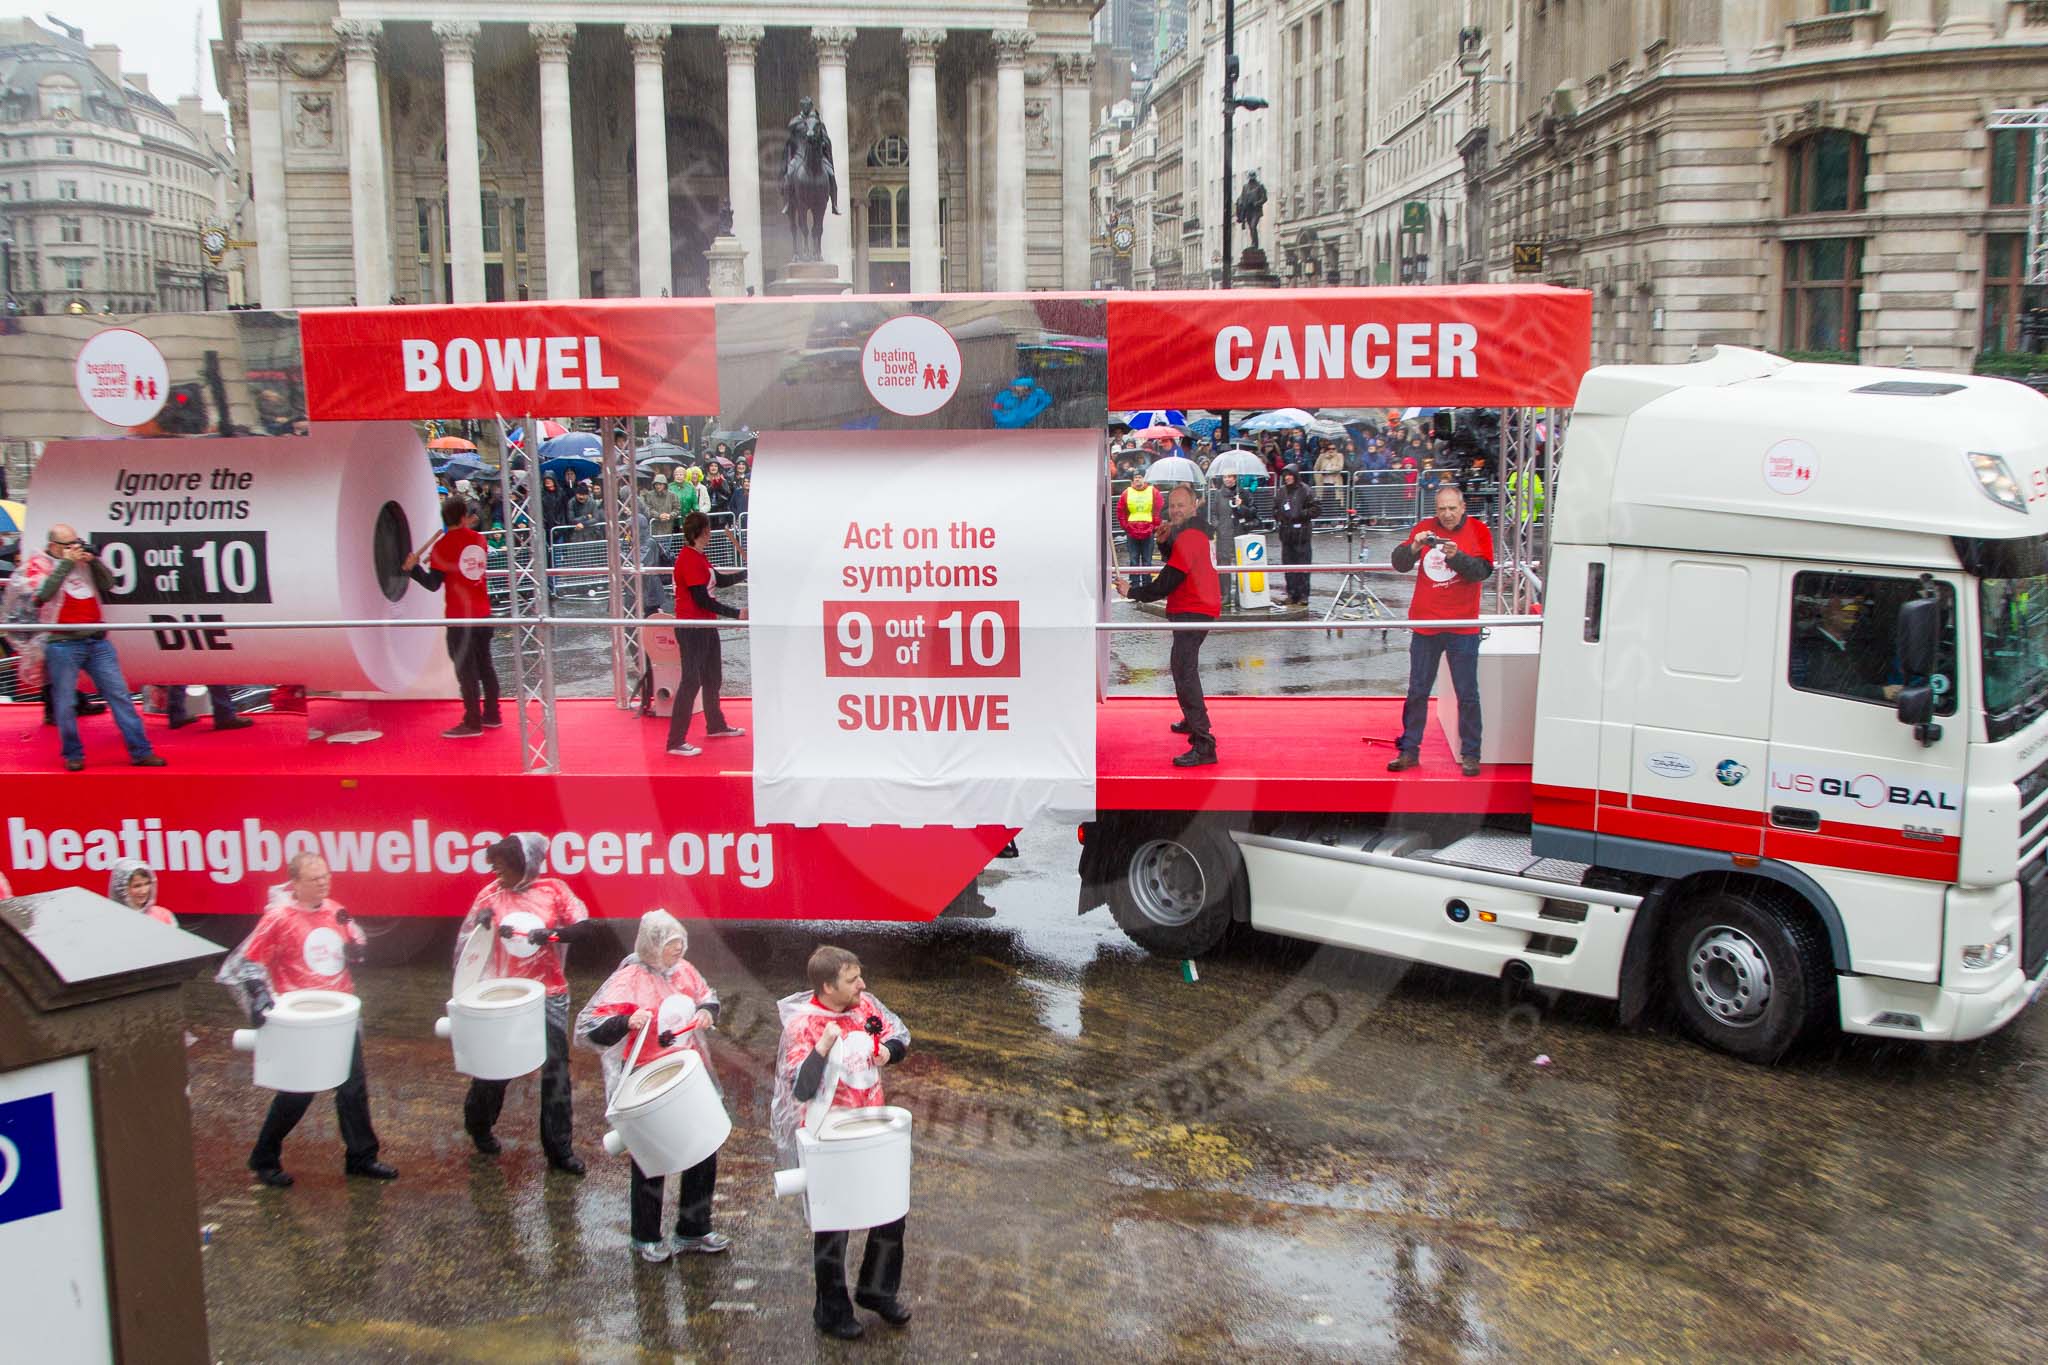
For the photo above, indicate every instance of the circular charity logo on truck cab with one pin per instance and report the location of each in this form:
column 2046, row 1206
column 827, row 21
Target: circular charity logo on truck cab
column 1789, row 465
column 122, row 377
column 911, row 365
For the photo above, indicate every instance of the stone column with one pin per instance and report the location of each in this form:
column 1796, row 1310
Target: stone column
column 977, row 174
column 743, row 140
column 1972, row 20
column 921, row 48
column 369, row 205
column 551, row 44
column 465, row 180
column 264, row 65
column 1911, row 21
column 650, row 158
column 1012, row 264
column 1077, row 74
column 832, row 44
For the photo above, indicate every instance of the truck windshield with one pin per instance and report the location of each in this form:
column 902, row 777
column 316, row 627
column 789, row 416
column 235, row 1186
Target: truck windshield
column 2015, row 617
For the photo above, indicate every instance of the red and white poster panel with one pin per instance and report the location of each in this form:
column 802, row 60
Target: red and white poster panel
column 571, row 359
column 923, row 609
column 1456, row 346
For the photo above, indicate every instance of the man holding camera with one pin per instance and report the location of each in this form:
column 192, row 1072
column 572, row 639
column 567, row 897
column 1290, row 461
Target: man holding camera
column 1452, row 555
column 69, row 583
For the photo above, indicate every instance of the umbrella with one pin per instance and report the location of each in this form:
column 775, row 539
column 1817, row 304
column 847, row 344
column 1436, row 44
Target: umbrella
column 582, row 444
column 464, row 469
column 1174, row 469
column 450, row 443
column 13, row 516
column 1327, row 431
column 1242, row 463
column 1202, row 427
column 1162, row 432
column 1279, row 419
column 1159, row 417
column 581, row 466
column 662, row 452
column 734, row 440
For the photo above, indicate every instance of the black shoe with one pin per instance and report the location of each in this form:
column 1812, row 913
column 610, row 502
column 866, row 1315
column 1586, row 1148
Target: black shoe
column 234, row 723
column 1179, row 727
column 849, row 1330
column 1469, row 766
column 92, row 708
column 1195, row 758
column 890, row 1311
column 372, row 1169
column 180, row 722
column 274, row 1177
column 493, row 721
column 74, row 765
column 466, row 730
column 724, row 732
column 486, row 1144
column 148, row 761
column 568, row 1165
column 1403, row 761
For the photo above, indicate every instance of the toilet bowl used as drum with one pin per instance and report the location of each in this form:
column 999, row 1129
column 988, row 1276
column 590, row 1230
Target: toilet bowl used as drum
column 498, row 1027
column 306, row 1041
column 667, row 1114
column 855, row 1171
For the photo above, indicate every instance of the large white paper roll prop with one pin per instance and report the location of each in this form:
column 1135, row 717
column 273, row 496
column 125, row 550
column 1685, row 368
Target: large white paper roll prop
column 498, row 1027
column 667, row 1114
column 306, row 1042
column 855, row 1171
column 199, row 532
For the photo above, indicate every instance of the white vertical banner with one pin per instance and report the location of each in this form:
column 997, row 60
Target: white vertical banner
column 53, row 1292
column 923, row 609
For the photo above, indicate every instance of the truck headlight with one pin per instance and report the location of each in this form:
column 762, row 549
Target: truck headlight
column 1994, row 476
column 1978, row 956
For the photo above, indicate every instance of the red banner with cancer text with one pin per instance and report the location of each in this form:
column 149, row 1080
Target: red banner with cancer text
column 572, row 359
column 1455, row 346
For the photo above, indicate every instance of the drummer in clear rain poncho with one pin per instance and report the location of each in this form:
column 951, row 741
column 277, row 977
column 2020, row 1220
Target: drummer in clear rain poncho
column 529, row 921
column 656, row 993
column 838, row 1017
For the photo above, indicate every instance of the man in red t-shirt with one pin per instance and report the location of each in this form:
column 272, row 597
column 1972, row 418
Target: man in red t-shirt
column 1188, row 582
column 455, row 561
column 69, row 582
column 1452, row 555
column 703, row 665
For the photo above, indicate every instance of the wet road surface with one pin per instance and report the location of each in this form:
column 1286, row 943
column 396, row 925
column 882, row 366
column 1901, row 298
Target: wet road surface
column 1308, row 1154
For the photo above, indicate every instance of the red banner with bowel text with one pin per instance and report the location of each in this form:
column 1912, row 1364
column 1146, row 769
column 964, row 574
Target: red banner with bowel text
column 1456, row 346
column 575, row 358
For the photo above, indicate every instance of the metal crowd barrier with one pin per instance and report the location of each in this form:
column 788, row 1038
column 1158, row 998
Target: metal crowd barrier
column 1379, row 499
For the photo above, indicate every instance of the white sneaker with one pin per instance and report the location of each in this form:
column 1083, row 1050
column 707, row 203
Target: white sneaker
column 684, row 750
column 710, row 1243
column 654, row 1253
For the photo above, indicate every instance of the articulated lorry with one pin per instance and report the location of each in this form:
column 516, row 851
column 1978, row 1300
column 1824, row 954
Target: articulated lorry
column 1788, row 760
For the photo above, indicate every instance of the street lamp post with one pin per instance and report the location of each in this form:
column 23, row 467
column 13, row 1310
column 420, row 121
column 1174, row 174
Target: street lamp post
column 1232, row 102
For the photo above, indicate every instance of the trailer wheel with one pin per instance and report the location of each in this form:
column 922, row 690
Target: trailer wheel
column 1176, row 890
column 1748, row 978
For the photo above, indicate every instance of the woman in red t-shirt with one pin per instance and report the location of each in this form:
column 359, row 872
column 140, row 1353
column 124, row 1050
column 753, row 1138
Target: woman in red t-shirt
column 703, row 664
column 455, row 561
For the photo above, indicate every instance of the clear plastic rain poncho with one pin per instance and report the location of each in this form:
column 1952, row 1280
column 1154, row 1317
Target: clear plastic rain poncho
column 124, row 871
column 309, row 947
column 858, row 1056
column 672, row 996
column 537, row 901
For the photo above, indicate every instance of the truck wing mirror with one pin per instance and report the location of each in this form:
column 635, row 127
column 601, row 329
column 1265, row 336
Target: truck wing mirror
column 1919, row 632
column 1916, row 708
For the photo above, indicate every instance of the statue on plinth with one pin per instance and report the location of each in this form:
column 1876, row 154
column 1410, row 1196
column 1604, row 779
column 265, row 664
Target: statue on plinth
column 1251, row 206
column 809, row 181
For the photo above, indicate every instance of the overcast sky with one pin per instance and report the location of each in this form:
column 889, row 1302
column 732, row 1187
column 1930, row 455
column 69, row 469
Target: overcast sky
column 155, row 38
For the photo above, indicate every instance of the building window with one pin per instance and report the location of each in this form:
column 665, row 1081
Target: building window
column 60, row 97
column 2005, row 273
column 65, row 147
column 492, row 237
column 67, row 189
column 423, row 212
column 70, row 230
column 1826, row 173
column 2012, row 167
column 881, row 217
column 1823, row 283
column 519, row 225
column 74, row 274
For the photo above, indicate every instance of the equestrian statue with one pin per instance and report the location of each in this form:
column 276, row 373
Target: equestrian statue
column 809, row 182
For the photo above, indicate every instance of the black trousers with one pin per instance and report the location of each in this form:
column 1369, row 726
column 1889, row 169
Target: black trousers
column 351, row 1110
column 221, row 698
column 1186, row 665
column 469, row 649
column 693, row 1200
column 486, row 1099
column 881, row 1270
column 703, row 670
column 1297, row 551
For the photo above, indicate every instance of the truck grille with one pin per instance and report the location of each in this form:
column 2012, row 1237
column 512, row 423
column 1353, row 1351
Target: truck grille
column 2033, row 817
column 2034, row 920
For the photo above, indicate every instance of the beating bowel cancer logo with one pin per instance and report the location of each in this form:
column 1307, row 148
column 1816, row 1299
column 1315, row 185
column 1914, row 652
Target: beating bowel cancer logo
column 911, row 365
column 28, row 1159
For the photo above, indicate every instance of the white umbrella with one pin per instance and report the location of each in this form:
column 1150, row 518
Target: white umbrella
column 1242, row 463
column 1174, row 469
column 1328, row 431
column 1279, row 419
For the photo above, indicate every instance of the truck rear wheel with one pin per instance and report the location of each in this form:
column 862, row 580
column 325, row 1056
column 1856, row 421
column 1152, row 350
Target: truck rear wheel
column 1176, row 890
column 1748, row 978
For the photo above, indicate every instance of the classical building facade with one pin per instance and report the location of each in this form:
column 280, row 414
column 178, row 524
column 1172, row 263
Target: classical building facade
column 422, row 154
column 104, row 189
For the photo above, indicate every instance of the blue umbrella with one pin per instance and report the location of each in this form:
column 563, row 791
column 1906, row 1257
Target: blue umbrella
column 575, row 464
column 578, row 443
column 1202, row 427
column 1158, row 417
column 464, row 469
column 1279, row 419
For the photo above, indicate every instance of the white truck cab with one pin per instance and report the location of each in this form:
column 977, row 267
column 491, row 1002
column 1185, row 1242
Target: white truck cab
column 1790, row 756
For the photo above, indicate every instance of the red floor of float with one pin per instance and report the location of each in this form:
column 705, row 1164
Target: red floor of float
column 1277, row 755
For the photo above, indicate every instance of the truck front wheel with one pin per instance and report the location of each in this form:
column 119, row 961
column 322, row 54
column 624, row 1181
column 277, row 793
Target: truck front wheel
column 1748, row 978
column 1175, row 891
